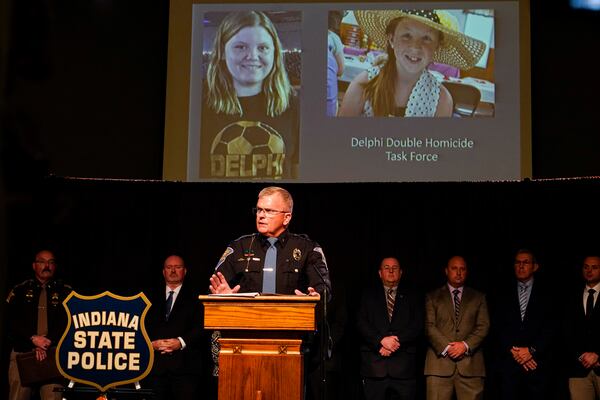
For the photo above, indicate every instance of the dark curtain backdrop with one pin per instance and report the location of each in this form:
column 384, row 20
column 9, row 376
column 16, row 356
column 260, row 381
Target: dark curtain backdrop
column 114, row 235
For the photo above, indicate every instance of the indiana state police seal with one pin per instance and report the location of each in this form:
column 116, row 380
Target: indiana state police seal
column 105, row 343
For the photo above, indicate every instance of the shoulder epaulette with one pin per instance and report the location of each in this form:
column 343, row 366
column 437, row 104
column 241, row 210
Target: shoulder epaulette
column 25, row 283
column 11, row 294
column 60, row 284
column 245, row 237
column 300, row 235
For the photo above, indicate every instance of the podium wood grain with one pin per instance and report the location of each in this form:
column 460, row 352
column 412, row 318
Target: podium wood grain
column 268, row 367
column 260, row 368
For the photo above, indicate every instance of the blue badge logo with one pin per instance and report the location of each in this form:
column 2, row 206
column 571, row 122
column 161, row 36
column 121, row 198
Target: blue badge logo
column 105, row 343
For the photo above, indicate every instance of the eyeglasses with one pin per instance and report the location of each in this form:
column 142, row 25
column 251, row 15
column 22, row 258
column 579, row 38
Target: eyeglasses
column 526, row 262
column 387, row 268
column 177, row 267
column 268, row 212
column 45, row 262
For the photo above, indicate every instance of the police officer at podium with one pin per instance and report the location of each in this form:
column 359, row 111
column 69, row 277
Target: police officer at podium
column 272, row 260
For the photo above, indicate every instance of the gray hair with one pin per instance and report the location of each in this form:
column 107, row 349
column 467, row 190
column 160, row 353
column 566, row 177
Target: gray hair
column 285, row 195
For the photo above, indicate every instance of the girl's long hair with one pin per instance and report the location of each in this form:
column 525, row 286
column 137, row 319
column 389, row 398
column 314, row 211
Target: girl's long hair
column 222, row 97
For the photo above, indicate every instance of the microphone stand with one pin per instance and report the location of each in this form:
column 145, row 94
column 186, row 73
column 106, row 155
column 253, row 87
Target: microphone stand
column 324, row 347
column 325, row 334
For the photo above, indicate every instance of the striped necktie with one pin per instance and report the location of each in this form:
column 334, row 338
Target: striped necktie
column 522, row 300
column 391, row 300
column 169, row 304
column 456, row 294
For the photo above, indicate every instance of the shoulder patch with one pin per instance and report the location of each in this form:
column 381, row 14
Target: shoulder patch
column 10, row 296
column 228, row 251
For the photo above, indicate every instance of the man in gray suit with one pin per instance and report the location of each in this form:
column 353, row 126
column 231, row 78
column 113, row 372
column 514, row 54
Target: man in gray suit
column 456, row 322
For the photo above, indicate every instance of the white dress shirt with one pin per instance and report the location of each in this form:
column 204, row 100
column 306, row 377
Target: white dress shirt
column 175, row 294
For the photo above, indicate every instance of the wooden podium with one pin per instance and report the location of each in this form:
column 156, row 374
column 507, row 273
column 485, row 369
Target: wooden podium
column 260, row 341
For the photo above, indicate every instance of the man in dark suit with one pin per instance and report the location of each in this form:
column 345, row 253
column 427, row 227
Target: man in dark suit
column 456, row 322
column 389, row 321
column 174, row 324
column 525, row 327
column 583, row 335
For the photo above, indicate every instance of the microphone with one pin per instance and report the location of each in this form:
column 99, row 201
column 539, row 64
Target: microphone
column 326, row 340
column 326, row 298
column 326, row 295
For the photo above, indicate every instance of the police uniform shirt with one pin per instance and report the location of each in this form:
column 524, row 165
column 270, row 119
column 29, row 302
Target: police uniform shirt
column 23, row 311
column 298, row 258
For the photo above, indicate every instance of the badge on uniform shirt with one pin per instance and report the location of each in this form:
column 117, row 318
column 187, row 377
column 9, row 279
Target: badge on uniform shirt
column 226, row 254
column 54, row 298
column 297, row 254
column 29, row 295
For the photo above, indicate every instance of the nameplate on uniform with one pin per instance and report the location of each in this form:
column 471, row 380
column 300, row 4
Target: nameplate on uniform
column 105, row 344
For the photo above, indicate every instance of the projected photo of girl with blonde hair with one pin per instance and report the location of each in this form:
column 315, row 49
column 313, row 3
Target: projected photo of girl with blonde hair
column 250, row 116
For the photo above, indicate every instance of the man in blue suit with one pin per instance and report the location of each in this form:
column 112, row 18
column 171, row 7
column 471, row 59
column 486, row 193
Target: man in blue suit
column 525, row 325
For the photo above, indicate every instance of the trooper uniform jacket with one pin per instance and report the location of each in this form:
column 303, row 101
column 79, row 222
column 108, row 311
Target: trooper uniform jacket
column 23, row 312
column 300, row 264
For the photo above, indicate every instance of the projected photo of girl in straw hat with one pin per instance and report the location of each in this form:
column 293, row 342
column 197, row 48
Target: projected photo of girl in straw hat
column 399, row 82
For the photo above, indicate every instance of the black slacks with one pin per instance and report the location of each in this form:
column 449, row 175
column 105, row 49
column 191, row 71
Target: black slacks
column 389, row 388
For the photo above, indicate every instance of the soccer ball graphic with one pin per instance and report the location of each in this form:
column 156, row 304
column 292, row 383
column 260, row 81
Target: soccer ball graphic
column 247, row 149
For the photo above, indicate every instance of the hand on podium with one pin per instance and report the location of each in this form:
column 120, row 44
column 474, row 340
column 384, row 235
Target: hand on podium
column 311, row 292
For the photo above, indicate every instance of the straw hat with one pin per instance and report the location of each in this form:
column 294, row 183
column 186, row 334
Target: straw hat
column 456, row 48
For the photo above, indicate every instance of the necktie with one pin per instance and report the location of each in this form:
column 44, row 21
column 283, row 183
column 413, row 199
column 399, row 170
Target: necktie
column 391, row 300
column 42, row 320
column 169, row 304
column 456, row 292
column 589, row 304
column 522, row 300
column 270, row 268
